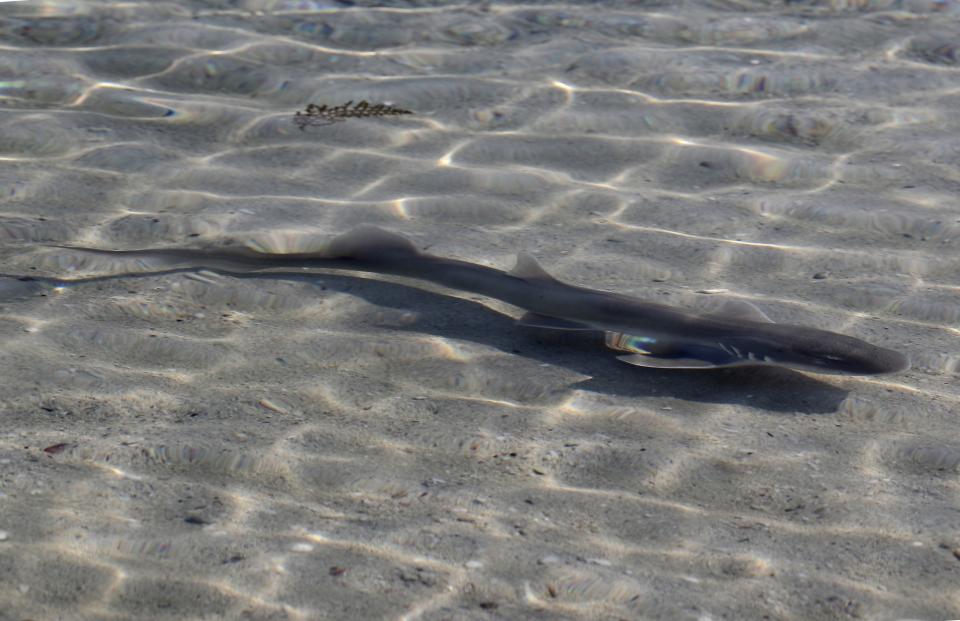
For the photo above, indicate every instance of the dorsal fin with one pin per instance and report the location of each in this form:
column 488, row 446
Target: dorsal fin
column 363, row 242
column 367, row 242
column 527, row 268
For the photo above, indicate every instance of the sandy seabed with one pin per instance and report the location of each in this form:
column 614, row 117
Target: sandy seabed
column 340, row 446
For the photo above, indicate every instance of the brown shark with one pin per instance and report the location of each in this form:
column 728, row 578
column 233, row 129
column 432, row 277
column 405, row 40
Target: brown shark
column 647, row 334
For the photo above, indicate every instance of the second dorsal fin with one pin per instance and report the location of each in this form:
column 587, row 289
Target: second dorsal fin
column 527, row 268
column 737, row 310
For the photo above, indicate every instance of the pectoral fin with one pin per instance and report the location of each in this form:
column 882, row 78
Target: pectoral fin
column 535, row 320
column 669, row 353
column 655, row 362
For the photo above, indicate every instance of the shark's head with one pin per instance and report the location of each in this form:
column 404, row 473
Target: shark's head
column 766, row 344
column 819, row 351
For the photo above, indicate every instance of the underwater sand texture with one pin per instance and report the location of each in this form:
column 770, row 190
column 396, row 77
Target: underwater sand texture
column 340, row 446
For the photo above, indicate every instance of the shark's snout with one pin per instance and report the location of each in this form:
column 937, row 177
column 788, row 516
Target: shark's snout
column 849, row 356
column 879, row 361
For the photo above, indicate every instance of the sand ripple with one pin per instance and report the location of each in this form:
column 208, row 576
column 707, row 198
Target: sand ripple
column 343, row 446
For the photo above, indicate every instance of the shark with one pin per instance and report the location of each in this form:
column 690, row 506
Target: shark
column 642, row 333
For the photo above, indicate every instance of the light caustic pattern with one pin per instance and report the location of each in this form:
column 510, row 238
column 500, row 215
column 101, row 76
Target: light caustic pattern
column 340, row 446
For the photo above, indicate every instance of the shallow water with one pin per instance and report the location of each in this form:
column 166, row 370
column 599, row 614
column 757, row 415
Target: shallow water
column 201, row 446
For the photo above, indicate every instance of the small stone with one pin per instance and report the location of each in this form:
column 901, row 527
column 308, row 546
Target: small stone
column 301, row 547
column 819, row 275
column 549, row 559
column 273, row 406
column 4, row 535
column 483, row 116
column 746, row 568
column 474, row 564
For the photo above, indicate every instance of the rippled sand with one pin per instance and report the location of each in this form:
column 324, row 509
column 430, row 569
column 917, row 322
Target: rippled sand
column 201, row 446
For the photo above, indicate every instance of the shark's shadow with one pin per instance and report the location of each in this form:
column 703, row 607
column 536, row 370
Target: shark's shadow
column 769, row 388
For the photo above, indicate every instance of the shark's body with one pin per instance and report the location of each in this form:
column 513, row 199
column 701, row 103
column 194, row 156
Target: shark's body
column 648, row 334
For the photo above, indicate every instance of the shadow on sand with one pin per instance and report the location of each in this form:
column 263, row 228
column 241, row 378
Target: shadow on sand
column 767, row 388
